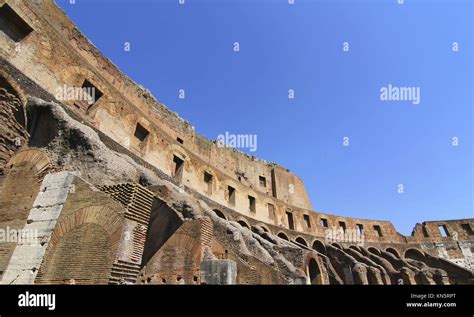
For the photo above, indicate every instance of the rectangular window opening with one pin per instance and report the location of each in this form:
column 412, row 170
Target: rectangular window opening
column 378, row 231
column 262, row 181
column 208, row 181
column 12, row 24
column 179, row 140
column 231, row 195
column 324, row 223
column 252, row 204
column 443, row 230
column 359, row 229
column 178, row 167
column 140, row 132
column 289, row 216
column 342, row 225
column 307, row 221
column 93, row 92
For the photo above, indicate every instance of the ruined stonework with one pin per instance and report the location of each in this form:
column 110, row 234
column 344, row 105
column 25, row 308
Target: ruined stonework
column 121, row 190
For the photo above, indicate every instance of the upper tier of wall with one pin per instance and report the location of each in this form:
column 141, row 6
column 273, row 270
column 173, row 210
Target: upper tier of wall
column 55, row 54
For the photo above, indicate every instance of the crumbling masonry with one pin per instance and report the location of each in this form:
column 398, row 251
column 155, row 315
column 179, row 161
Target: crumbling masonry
column 122, row 191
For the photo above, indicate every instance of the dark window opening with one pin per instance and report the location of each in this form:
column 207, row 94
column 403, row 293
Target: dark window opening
column 262, row 181
column 324, row 223
column 140, row 132
column 307, row 220
column 179, row 140
column 89, row 88
column 443, row 230
column 283, row 236
column 291, row 224
column 359, row 229
column 271, row 211
column 467, row 228
column 342, row 225
column 378, row 231
column 178, row 167
column 208, row 181
column 231, row 195
column 252, row 204
column 219, row 214
column 273, row 177
column 12, row 24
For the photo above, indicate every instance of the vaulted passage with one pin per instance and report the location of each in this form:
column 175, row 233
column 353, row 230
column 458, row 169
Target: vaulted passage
column 314, row 272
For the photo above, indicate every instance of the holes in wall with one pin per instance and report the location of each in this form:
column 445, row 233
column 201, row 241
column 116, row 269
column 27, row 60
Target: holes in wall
column 178, row 168
column 307, row 221
column 180, row 141
column 92, row 90
column 262, row 181
column 289, row 217
column 252, row 204
column 378, row 231
column 467, row 228
column 208, row 182
column 342, row 225
column 359, row 229
column 219, row 214
column 140, row 132
column 324, row 223
column 443, row 230
column 12, row 24
column 283, row 236
column 302, row 241
column 231, row 195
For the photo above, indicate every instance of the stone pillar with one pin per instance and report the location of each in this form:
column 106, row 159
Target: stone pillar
column 28, row 255
column 218, row 272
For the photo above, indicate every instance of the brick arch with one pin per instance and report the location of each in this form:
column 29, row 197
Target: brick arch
column 393, row 251
column 301, row 240
column 264, row 227
column 414, row 253
column 100, row 229
column 242, row 221
column 39, row 161
column 283, row 236
column 100, row 215
column 314, row 269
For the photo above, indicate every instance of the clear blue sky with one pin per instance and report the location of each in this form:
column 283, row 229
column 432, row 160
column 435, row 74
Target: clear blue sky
column 337, row 93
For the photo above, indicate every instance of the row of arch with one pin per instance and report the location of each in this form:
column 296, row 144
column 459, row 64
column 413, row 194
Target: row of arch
column 319, row 246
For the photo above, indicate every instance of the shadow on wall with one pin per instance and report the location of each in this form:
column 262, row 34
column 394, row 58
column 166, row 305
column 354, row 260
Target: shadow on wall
column 163, row 223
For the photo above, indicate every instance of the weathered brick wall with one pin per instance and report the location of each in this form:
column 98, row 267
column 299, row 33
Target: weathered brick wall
column 19, row 187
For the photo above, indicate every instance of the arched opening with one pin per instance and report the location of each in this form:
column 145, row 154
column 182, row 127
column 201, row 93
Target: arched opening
column 314, row 272
column 243, row 224
column 374, row 250
column 414, row 254
column 220, row 214
column 336, row 245
column 283, row 236
column 302, row 241
column 393, row 251
column 319, row 247
column 354, row 247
